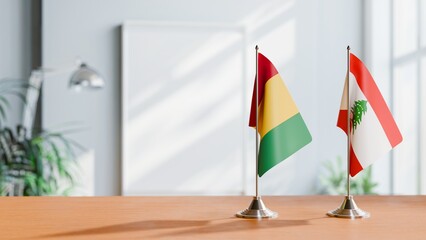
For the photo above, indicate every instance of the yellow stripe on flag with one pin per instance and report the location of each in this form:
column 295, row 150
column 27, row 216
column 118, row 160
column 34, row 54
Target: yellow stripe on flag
column 279, row 105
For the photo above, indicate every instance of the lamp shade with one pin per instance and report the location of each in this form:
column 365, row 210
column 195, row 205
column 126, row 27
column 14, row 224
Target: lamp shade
column 86, row 77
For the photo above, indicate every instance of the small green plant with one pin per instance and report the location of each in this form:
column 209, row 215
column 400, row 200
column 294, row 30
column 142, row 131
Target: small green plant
column 334, row 180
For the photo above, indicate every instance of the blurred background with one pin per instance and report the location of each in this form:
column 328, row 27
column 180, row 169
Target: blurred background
column 172, row 117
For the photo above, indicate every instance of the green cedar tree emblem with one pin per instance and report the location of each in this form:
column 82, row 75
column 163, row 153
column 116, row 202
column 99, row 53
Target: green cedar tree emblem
column 358, row 109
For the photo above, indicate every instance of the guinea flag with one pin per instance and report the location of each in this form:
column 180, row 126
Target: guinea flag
column 373, row 129
column 281, row 127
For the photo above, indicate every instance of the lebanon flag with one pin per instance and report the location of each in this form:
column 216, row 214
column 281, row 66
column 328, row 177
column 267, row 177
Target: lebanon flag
column 373, row 129
column 281, row 127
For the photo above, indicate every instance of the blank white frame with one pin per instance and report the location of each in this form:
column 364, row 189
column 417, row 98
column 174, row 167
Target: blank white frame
column 140, row 26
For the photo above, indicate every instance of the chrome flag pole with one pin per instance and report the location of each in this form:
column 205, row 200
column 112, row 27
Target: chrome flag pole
column 257, row 208
column 348, row 209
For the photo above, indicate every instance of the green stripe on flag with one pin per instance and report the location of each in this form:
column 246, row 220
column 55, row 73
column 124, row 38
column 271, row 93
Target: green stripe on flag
column 282, row 141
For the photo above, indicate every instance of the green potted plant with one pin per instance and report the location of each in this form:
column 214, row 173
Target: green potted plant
column 32, row 165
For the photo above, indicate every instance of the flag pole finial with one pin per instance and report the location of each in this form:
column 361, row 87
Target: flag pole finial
column 348, row 48
column 257, row 47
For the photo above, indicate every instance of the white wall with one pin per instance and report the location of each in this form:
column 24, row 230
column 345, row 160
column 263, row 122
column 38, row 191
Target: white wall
column 305, row 39
column 15, row 47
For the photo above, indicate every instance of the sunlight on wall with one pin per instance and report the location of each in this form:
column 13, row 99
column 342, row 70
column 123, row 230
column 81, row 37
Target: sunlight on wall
column 265, row 13
column 213, row 46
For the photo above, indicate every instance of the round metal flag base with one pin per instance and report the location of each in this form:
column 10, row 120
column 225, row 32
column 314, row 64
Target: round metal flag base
column 257, row 209
column 348, row 209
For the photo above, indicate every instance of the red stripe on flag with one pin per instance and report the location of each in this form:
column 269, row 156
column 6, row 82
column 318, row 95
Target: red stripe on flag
column 342, row 120
column 355, row 166
column 266, row 71
column 371, row 92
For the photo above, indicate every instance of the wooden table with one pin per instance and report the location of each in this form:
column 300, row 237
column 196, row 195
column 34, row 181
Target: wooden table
column 392, row 217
